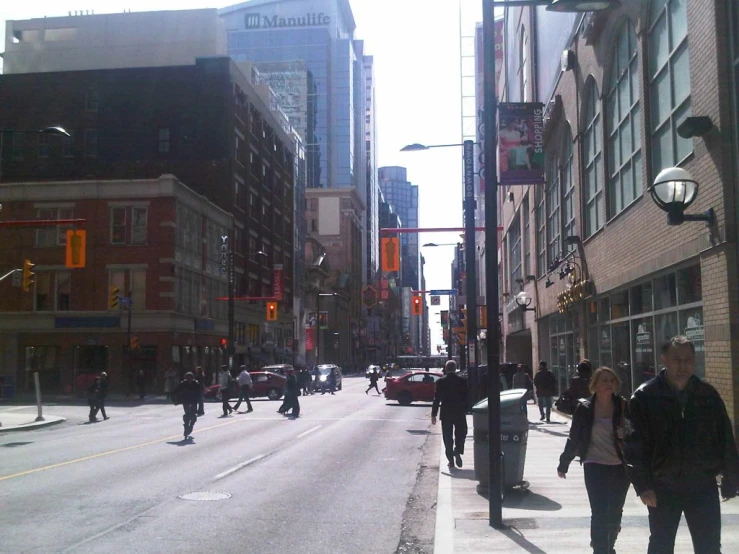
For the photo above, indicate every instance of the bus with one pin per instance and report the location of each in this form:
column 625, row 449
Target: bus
column 433, row 363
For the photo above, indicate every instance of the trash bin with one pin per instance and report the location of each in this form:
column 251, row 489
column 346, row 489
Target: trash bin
column 514, row 432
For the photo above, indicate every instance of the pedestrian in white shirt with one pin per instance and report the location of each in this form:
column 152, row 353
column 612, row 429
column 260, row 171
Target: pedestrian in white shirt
column 244, row 389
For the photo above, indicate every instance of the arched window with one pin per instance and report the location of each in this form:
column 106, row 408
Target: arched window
column 669, row 81
column 554, row 223
column 624, row 124
column 592, row 160
column 568, row 190
column 559, row 201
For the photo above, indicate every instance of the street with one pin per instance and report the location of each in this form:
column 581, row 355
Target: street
column 335, row 480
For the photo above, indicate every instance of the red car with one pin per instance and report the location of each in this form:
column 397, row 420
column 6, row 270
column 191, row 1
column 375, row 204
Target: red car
column 416, row 386
column 263, row 383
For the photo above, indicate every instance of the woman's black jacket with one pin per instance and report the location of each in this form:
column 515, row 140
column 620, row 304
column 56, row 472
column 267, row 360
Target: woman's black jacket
column 582, row 427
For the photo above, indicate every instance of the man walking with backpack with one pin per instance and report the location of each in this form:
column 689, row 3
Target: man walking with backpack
column 244, row 388
column 546, row 388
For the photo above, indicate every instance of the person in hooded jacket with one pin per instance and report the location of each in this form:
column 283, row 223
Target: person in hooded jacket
column 596, row 436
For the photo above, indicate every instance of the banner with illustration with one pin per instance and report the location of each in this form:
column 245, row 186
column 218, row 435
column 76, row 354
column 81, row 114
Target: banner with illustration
column 520, row 143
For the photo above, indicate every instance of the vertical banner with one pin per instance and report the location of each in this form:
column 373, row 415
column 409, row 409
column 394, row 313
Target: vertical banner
column 390, row 247
column 323, row 320
column 309, row 338
column 277, row 282
column 520, row 143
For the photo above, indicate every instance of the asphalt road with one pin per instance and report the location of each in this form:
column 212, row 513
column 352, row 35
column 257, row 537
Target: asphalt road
column 336, row 480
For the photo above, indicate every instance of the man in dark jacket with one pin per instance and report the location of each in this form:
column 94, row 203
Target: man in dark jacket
column 451, row 393
column 373, row 377
column 680, row 440
column 188, row 393
column 291, row 395
column 546, row 388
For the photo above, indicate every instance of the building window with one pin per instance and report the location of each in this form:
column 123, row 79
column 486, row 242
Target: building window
column 52, row 291
column 669, row 82
column 541, row 237
column 43, row 145
column 314, row 225
column 123, row 232
column 526, row 236
column 735, row 56
column 68, row 144
column 514, row 251
column 568, row 191
column 553, row 195
column 53, row 236
column 91, row 143
column 130, row 283
column 92, row 99
column 19, row 144
column 624, row 124
column 164, row 140
column 523, row 66
column 593, row 164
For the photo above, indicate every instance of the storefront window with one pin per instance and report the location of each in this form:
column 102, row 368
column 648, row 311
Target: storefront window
column 606, row 356
column 665, row 329
column 665, row 292
column 691, row 325
column 592, row 313
column 641, row 298
column 620, row 305
column 604, row 310
column 689, row 285
column 621, row 347
column 593, row 349
column 643, row 343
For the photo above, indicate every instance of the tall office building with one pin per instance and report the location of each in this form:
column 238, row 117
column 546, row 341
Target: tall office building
column 403, row 197
column 373, row 187
column 306, row 50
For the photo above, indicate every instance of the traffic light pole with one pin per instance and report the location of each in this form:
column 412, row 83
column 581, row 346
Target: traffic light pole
column 231, row 348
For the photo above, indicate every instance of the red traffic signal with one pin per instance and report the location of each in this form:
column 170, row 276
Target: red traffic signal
column 224, row 342
column 417, row 305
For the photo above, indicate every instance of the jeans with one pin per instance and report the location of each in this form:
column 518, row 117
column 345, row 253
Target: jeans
column 225, row 397
column 244, row 395
column 607, row 487
column 290, row 401
column 454, row 432
column 545, row 402
column 190, row 417
column 702, row 514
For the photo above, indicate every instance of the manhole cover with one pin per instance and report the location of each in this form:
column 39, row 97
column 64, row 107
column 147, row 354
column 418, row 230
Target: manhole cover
column 205, row 495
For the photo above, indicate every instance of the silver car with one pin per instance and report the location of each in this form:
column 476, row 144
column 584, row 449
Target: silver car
column 325, row 370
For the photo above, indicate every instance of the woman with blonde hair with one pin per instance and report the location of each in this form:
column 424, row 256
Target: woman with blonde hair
column 596, row 436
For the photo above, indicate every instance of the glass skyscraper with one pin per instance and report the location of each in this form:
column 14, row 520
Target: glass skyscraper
column 403, row 197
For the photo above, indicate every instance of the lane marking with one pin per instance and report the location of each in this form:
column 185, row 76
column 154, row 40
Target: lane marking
column 109, row 452
column 234, row 469
column 309, row 431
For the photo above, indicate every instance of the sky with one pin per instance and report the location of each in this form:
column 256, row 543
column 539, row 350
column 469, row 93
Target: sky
column 415, row 44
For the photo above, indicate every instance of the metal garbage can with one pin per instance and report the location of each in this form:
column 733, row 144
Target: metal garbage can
column 514, row 433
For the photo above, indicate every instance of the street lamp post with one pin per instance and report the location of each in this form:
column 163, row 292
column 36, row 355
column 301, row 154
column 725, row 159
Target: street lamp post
column 491, row 226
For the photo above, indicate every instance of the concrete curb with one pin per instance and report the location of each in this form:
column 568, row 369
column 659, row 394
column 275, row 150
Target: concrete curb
column 48, row 421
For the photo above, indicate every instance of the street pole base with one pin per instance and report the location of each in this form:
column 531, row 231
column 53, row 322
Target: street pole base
column 40, row 418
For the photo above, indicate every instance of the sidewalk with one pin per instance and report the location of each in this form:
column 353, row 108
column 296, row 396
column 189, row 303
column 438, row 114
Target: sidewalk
column 13, row 419
column 553, row 516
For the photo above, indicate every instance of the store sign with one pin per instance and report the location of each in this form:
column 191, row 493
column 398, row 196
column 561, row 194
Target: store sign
column 224, row 254
column 694, row 328
column 309, row 339
column 311, row 19
column 278, row 287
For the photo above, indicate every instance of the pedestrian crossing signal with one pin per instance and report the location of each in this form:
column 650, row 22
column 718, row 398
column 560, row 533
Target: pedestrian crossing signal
column 271, row 311
column 417, row 305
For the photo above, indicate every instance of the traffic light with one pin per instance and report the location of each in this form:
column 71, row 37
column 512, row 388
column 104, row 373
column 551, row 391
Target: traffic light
column 417, row 304
column 75, row 252
column 113, row 297
column 28, row 275
column 134, row 342
column 224, row 343
column 271, row 311
column 390, row 250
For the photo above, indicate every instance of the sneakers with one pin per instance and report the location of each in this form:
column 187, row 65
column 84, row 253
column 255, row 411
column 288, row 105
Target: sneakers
column 106, row 417
column 548, row 421
column 249, row 410
column 541, row 418
column 458, row 458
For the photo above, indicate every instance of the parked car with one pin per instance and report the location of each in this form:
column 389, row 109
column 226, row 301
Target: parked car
column 282, row 369
column 372, row 368
column 264, row 383
column 325, row 369
column 417, row 386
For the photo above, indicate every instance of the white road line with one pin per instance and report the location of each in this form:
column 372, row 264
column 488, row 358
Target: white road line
column 309, row 431
column 234, row 469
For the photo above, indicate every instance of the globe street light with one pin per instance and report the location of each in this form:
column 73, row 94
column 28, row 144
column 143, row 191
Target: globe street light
column 674, row 190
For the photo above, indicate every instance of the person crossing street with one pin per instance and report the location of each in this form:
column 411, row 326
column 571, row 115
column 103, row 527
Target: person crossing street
column 374, row 377
column 188, row 393
column 451, row 394
column 244, row 380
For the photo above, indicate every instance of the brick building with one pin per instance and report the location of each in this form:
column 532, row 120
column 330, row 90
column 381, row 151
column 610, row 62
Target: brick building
column 203, row 130
column 616, row 86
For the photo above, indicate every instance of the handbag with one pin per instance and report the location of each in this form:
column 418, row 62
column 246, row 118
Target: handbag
column 565, row 404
